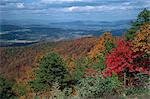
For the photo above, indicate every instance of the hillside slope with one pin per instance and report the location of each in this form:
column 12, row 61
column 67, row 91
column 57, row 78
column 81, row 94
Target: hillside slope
column 13, row 59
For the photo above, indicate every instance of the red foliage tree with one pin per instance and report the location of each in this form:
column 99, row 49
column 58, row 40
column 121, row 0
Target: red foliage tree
column 122, row 58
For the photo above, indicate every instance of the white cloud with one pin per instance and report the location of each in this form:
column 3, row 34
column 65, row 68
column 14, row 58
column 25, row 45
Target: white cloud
column 96, row 8
column 20, row 5
column 81, row 8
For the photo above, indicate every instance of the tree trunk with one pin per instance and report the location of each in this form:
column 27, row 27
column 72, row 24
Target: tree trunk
column 124, row 79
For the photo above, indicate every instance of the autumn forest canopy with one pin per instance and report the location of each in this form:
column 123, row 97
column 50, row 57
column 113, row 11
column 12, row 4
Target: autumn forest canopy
column 86, row 68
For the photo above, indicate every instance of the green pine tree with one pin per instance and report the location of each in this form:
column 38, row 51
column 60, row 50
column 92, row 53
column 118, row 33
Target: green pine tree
column 143, row 17
column 51, row 70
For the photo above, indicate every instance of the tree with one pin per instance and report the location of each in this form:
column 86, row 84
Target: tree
column 130, row 34
column 123, row 59
column 6, row 89
column 96, row 55
column 51, row 69
column 143, row 17
column 141, row 43
column 103, row 46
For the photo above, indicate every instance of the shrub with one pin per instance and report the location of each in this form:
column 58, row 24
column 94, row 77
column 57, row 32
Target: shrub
column 98, row 87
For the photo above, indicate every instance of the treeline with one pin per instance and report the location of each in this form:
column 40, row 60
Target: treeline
column 115, row 67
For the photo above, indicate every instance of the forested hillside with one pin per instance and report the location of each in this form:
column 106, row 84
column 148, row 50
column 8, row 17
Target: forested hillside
column 15, row 58
column 85, row 68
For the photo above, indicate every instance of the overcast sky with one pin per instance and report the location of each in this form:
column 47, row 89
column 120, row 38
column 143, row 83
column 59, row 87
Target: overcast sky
column 72, row 10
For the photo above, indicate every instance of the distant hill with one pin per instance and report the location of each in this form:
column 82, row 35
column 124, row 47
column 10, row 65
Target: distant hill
column 9, row 27
column 15, row 34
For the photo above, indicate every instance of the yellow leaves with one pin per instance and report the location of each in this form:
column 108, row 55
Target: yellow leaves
column 74, row 91
column 71, row 66
column 22, row 97
column 97, row 48
column 108, row 36
column 145, row 28
column 100, row 46
column 142, row 39
column 139, row 36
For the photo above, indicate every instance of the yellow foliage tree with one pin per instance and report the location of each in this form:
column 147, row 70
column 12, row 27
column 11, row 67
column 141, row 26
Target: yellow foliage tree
column 141, row 42
column 99, row 48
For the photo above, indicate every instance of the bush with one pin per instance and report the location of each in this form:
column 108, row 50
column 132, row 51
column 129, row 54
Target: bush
column 98, row 87
column 80, row 65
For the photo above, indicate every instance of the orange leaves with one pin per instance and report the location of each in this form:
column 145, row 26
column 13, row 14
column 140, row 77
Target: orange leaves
column 23, row 81
column 141, row 43
column 77, row 47
column 97, row 48
column 100, row 47
column 74, row 91
column 70, row 64
column 28, row 75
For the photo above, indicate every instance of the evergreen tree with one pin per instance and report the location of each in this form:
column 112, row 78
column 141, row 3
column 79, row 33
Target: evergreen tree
column 143, row 17
column 51, row 70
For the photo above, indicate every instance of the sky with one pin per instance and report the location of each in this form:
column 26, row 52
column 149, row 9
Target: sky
column 71, row 10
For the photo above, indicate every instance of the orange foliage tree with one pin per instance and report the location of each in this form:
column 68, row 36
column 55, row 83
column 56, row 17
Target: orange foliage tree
column 99, row 48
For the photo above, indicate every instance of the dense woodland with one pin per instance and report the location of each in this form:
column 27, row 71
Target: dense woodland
column 85, row 68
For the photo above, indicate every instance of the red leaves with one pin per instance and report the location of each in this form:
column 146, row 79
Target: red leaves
column 121, row 58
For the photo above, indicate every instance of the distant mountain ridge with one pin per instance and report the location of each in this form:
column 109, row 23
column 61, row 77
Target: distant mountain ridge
column 11, row 33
